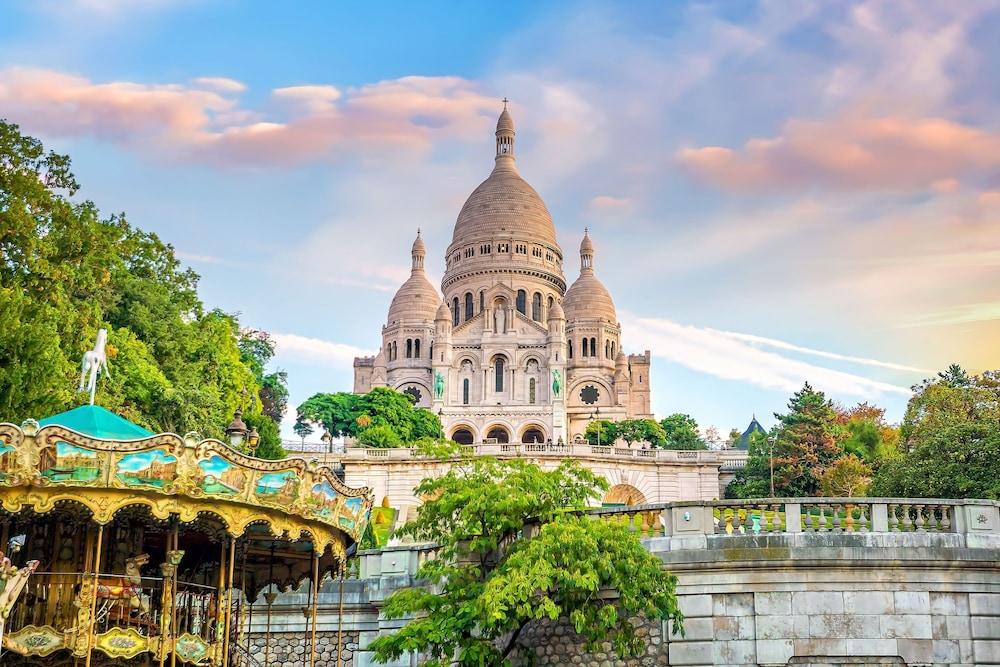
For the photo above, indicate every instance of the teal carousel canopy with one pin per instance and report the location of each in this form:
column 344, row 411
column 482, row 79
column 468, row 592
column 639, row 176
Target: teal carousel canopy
column 96, row 422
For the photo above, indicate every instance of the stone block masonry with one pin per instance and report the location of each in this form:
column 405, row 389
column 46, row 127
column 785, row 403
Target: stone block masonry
column 291, row 649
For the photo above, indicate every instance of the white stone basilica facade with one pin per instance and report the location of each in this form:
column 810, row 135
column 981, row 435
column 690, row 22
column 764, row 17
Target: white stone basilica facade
column 509, row 353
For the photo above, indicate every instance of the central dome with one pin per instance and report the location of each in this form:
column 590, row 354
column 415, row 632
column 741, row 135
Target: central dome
column 504, row 204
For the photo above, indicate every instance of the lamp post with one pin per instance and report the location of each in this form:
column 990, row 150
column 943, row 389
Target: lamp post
column 328, row 439
column 237, row 433
column 770, row 461
column 597, row 413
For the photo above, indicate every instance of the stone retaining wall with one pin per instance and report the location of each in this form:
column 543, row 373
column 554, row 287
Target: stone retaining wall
column 291, row 649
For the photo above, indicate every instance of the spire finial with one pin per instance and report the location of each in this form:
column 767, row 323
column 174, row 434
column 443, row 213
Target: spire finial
column 505, row 100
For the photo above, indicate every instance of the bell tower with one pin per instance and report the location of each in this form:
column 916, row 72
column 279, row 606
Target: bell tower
column 505, row 133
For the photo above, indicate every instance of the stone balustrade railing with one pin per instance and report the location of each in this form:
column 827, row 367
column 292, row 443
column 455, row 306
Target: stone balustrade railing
column 807, row 515
column 977, row 520
column 547, row 450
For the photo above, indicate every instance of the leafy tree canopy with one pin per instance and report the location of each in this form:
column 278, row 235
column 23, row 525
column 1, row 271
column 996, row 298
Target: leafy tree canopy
column 641, row 430
column 67, row 272
column 346, row 414
column 951, row 440
column 491, row 581
column 681, row 432
column 601, row 432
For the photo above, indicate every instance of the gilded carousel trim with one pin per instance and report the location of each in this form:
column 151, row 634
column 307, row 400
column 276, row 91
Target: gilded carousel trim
column 157, row 545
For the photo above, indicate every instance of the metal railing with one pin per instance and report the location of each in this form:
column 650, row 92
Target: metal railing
column 53, row 599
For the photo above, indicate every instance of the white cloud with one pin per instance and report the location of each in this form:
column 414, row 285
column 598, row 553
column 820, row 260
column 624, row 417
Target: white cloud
column 315, row 350
column 733, row 357
column 791, row 347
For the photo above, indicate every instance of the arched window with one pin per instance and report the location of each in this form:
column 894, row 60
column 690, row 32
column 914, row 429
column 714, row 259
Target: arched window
column 468, row 306
column 536, row 307
column 607, row 349
column 482, row 300
column 531, row 391
column 465, row 391
column 569, row 349
column 409, row 348
column 454, row 312
column 612, row 349
column 499, row 433
column 462, row 436
column 416, row 348
column 395, row 351
column 551, row 301
column 583, row 347
column 522, row 299
column 498, row 368
column 593, row 347
column 431, row 354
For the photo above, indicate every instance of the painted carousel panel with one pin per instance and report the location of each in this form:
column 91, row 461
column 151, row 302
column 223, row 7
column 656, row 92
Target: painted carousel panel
column 70, row 464
column 218, row 476
column 154, row 469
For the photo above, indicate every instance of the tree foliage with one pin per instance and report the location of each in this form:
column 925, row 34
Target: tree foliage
column 601, row 432
column 641, row 430
column 848, row 476
column 67, row 272
column 681, row 432
column 489, row 581
column 951, row 440
column 345, row 414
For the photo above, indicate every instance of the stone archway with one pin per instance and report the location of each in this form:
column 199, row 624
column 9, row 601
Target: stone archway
column 501, row 434
column 533, row 434
column 463, row 435
column 624, row 494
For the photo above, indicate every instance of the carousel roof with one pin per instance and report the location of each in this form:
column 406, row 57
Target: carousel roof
column 96, row 422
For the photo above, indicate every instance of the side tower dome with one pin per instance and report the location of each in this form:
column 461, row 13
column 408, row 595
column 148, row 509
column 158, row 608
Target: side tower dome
column 417, row 298
column 588, row 298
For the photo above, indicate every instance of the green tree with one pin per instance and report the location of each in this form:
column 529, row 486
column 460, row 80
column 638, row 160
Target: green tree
column 67, row 272
column 490, row 585
column 346, row 414
column 303, row 429
column 806, row 442
column 846, row 477
column 641, row 430
column 380, row 436
column 951, row 440
column 681, row 432
column 754, row 479
column 601, row 432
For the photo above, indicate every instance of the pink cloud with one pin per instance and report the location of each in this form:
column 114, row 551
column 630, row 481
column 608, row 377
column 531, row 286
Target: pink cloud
column 851, row 152
column 205, row 121
column 610, row 207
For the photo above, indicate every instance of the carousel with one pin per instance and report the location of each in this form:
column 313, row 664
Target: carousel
column 152, row 549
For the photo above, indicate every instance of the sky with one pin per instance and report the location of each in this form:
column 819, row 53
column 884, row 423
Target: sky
column 779, row 192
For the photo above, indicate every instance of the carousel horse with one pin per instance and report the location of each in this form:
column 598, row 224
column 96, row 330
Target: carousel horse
column 12, row 581
column 114, row 590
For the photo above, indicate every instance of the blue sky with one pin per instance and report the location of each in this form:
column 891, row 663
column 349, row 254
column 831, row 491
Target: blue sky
column 778, row 192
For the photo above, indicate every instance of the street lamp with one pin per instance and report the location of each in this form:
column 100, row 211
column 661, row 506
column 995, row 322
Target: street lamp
column 328, row 439
column 253, row 439
column 597, row 412
column 770, row 461
column 237, row 429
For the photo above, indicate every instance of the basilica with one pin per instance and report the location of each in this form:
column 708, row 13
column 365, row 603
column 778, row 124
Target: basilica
column 504, row 352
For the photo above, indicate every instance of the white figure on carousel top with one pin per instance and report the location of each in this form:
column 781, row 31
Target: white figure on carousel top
column 94, row 361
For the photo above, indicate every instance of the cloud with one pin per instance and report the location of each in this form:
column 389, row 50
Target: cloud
column 738, row 357
column 316, row 351
column 853, row 151
column 205, row 121
column 608, row 206
column 791, row 347
column 962, row 314
column 220, row 84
